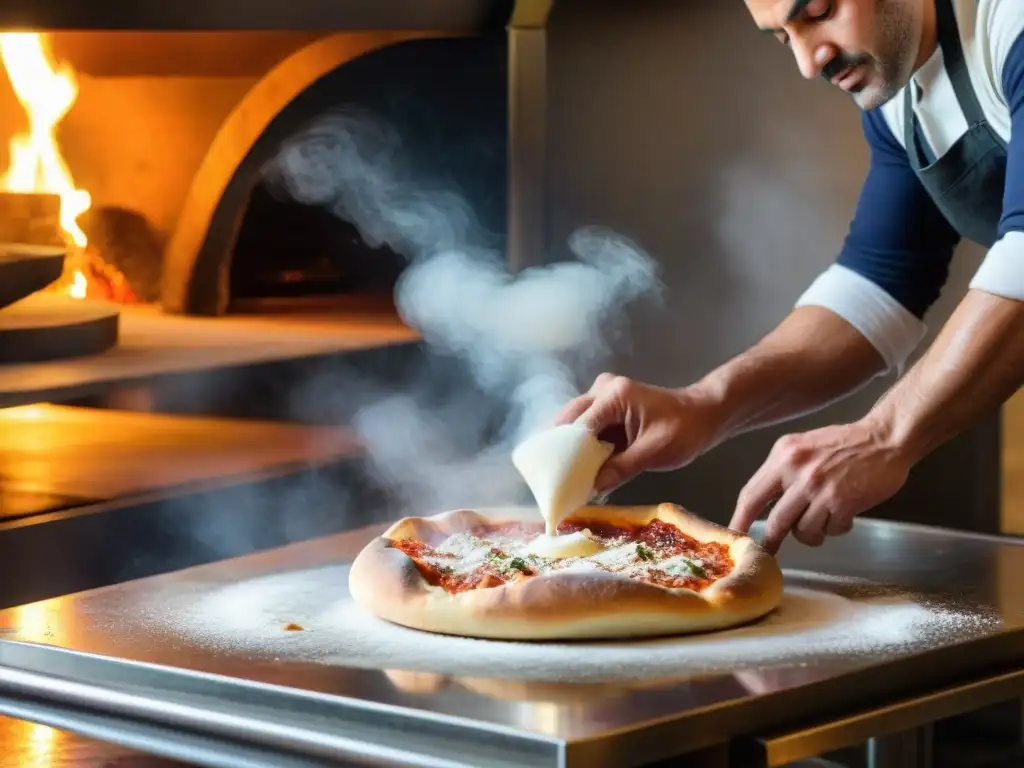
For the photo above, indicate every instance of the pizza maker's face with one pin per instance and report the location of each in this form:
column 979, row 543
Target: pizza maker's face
column 867, row 48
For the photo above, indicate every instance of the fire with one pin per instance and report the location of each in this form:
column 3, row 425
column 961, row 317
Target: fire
column 36, row 165
column 46, row 94
column 79, row 285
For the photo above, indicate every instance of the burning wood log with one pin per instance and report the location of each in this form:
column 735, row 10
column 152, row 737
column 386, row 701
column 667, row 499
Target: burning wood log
column 93, row 277
column 33, row 218
column 30, row 217
column 127, row 242
column 40, row 203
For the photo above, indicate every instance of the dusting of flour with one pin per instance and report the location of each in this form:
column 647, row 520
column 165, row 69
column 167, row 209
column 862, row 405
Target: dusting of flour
column 817, row 620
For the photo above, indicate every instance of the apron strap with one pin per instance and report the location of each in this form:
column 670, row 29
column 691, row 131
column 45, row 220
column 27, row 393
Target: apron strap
column 915, row 152
column 953, row 60
column 956, row 67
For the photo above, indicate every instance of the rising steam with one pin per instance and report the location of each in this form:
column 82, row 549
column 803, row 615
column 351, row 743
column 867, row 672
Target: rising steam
column 521, row 339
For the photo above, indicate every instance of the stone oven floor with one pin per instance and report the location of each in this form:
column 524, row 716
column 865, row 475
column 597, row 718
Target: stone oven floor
column 65, row 452
column 154, row 344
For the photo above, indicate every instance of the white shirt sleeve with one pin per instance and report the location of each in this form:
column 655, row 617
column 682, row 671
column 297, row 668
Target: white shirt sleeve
column 1003, row 22
column 1002, row 271
column 892, row 329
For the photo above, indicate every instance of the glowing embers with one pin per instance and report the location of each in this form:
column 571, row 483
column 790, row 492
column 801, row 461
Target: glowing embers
column 40, row 203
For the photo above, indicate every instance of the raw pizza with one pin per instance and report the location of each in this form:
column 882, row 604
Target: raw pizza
column 652, row 570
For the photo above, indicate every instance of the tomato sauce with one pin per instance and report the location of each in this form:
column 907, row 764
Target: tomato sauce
column 662, row 538
column 440, row 575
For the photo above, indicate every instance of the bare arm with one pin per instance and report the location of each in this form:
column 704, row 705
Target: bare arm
column 975, row 363
column 816, row 357
column 860, row 317
column 813, row 358
column 822, row 479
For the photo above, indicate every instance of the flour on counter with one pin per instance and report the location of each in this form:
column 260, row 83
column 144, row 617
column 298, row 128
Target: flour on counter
column 811, row 624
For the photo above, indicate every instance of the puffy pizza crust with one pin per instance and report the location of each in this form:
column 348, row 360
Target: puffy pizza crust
column 564, row 605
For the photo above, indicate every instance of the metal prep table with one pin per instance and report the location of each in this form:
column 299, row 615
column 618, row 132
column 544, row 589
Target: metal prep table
column 110, row 665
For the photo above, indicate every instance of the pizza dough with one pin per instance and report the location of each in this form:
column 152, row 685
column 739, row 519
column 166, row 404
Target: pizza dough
column 559, row 466
column 625, row 590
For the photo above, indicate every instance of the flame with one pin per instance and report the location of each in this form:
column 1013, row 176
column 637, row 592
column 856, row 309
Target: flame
column 47, row 94
column 79, row 288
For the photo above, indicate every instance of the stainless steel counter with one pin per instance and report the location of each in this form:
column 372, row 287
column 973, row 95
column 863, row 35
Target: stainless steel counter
column 111, row 664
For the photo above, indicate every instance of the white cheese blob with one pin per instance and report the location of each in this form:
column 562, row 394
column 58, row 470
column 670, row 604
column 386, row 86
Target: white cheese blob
column 577, row 544
column 559, row 466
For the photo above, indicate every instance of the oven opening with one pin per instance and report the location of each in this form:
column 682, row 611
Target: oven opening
column 106, row 157
column 293, row 255
column 435, row 111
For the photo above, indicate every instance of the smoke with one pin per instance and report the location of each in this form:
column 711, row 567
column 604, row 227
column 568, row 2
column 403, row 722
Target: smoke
column 509, row 348
column 351, row 163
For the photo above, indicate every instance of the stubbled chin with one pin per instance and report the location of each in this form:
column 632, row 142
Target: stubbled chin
column 871, row 97
column 877, row 92
column 867, row 99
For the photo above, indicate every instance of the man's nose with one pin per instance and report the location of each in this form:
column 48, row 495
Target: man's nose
column 811, row 56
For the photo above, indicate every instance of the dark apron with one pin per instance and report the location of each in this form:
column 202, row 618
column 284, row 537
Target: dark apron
column 967, row 182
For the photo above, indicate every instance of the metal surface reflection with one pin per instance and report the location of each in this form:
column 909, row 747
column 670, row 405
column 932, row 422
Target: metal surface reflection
column 27, row 745
column 611, row 719
column 42, row 622
column 39, row 742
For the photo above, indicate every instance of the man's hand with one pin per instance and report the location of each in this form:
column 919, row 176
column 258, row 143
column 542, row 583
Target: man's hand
column 814, row 357
column 821, row 480
column 653, row 428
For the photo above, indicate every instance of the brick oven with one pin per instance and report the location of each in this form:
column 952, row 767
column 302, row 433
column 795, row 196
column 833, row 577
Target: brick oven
column 139, row 245
column 170, row 116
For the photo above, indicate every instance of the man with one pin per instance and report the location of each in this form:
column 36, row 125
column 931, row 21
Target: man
column 941, row 86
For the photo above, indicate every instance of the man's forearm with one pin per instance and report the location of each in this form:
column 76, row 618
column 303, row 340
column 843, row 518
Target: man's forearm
column 811, row 359
column 975, row 364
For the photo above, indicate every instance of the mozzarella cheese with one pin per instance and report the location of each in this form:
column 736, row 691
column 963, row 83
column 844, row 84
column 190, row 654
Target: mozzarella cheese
column 616, row 556
column 577, row 544
column 559, row 465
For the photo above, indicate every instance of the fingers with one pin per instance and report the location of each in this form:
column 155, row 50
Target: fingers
column 606, row 417
column 800, row 509
column 763, row 488
column 798, row 512
column 784, row 516
column 602, row 412
column 574, row 410
column 838, row 525
column 623, row 467
column 808, row 518
column 600, row 382
column 811, row 528
column 606, row 411
column 641, row 422
column 578, row 407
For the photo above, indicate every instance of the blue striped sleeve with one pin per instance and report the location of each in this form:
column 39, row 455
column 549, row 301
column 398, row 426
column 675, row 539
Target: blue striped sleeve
column 1002, row 271
column 1013, row 91
column 898, row 239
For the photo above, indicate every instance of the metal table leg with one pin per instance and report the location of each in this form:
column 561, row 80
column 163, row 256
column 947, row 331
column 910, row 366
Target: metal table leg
column 906, row 749
column 898, row 734
column 1020, row 733
column 712, row 757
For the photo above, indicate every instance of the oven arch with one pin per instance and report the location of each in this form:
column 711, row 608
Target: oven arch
column 197, row 259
